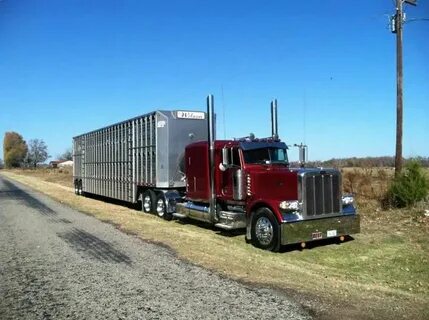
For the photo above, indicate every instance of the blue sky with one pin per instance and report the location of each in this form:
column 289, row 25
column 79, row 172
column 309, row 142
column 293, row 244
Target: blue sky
column 69, row 66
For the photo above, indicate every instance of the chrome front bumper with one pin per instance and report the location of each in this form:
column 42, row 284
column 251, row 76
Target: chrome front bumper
column 316, row 229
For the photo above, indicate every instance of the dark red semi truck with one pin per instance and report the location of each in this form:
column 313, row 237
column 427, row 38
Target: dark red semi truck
column 171, row 163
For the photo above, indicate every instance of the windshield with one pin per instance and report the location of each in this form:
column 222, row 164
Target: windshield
column 266, row 155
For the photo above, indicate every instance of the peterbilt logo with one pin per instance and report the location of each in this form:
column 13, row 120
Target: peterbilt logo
column 190, row 115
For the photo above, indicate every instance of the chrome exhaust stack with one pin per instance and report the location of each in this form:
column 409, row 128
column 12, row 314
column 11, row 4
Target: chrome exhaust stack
column 211, row 164
column 274, row 125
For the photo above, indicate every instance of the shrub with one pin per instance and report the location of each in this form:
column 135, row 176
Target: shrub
column 409, row 187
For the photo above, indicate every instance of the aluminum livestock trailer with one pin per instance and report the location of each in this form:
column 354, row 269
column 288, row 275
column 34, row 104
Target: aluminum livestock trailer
column 122, row 160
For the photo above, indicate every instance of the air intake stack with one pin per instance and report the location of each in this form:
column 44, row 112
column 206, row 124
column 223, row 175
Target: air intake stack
column 211, row 148
column 274, row 126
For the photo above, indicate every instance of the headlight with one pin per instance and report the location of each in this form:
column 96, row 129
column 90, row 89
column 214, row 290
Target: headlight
column 289, row 205
column 348, row 199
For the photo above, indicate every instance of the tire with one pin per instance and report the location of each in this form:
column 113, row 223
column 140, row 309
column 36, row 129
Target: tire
column 76, row 187
column 79, row 188
column 148, row 201
column 161, row 208
column 265, row 230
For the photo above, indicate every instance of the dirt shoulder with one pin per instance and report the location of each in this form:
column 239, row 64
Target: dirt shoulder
column 381, row 274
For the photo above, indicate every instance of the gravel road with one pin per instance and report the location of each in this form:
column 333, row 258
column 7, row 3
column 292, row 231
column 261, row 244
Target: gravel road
column 57, row 263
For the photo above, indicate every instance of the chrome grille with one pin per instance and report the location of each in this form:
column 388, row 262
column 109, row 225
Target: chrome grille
column 320, row 192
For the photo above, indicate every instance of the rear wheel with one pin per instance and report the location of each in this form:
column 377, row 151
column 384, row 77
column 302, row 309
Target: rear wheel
column 148, row 201
column 265, row 230
column 161, row 208
column 76, row 187
column 79, row 188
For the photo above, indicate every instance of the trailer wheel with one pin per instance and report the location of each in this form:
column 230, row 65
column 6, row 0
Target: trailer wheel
column 148, row 201
column 76, row 187
column 265, row 230
column 79, row 188
column 161, row 208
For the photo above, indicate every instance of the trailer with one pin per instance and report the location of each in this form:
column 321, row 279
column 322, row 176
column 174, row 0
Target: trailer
column 140, row 159
column 171, row 163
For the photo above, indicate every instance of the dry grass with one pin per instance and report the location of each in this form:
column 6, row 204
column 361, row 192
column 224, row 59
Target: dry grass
column 382, row 274
column 61, row 176
column 369, row 185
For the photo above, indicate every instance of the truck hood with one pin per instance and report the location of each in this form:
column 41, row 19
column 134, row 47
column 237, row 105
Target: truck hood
column 274, row 182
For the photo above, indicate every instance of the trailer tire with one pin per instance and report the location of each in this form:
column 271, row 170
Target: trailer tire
column 76, row 187
column 265, row 230
column 79, row 188
column 161, row 208
column 149, row 201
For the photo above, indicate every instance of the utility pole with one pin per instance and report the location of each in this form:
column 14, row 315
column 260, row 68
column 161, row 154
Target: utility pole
column 399, row 77
column 398, row 21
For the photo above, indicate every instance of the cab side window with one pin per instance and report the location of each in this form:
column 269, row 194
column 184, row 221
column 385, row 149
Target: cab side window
column 235, row 157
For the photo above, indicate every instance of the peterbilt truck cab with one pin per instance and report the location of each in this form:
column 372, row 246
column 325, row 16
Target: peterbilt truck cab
column 248, row 183
column 256, row 189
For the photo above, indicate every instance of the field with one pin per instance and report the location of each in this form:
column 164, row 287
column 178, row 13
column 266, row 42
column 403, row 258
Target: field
column 380, row 274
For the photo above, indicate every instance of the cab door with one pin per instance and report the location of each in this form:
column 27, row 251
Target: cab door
column 229, row 176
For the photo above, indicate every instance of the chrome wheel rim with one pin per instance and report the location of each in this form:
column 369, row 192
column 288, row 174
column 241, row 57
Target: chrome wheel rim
column 264, row 231
column 160, row 207
column 146, row 203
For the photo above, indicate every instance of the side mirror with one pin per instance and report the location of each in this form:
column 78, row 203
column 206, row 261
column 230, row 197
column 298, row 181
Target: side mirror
column 303, row 150
column 224, row 165
column 302, row 155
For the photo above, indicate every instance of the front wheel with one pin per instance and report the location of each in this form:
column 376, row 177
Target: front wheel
column 265, row 230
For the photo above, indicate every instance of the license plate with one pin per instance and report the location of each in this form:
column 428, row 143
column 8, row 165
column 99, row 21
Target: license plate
column 331, row 233
column 316, row 235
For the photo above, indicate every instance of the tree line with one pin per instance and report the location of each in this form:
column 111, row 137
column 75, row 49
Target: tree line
column 365, row 162
column 18, row 153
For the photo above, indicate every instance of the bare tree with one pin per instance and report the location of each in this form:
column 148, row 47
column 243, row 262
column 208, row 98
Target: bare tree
column 67, row 155
column 37, row 152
